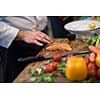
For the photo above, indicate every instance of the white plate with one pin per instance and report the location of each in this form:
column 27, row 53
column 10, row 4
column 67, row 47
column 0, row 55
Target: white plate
column 81, row 25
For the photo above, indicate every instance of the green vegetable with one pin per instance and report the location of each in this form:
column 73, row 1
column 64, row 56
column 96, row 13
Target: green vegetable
column 39, row 76
column 61, row 66
column 90, row 80
column 37, row 80
column 46, row 77
column 90, row 41
column 94, row 40
column 47, row 62
column 33, row 72
column 97, row 42
column 36, row 72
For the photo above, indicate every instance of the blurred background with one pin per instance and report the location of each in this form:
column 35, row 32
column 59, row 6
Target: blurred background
column 56, row 24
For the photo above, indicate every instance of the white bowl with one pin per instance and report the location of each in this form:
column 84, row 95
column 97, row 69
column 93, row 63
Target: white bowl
column 81, row 29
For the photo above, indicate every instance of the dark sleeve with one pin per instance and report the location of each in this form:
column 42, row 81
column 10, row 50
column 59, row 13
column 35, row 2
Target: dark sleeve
column 3, row 60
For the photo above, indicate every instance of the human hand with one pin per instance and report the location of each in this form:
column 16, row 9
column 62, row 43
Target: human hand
column 33, row 37
column 94, row 49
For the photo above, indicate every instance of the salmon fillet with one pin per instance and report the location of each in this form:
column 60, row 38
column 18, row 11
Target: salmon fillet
column 59, row 46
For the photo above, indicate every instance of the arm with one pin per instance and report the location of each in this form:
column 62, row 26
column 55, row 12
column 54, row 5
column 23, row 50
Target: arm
column 7, row 34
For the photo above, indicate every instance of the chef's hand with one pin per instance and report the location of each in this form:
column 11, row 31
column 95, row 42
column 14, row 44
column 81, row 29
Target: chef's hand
column 33, row 37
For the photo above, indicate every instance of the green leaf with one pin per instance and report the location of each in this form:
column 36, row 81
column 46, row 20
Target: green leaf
column 89, row 41
column 35, row 72
column 47, row 62
column 46, row 77
column 94, row 40
column 92, row 79
column 97, row 42
column 89, row 80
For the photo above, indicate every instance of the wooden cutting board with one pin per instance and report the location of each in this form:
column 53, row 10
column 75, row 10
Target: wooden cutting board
column 77, row 45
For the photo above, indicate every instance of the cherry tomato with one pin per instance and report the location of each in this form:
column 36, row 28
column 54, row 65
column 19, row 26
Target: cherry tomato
column 91, row 66
column 87, row 59
column 57, row 57
column 92, row 72
column 91, row 69
column 53, row 64
column 48, row 68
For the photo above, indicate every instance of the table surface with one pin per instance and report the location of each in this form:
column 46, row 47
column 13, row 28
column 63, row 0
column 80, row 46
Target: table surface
column 77, row 45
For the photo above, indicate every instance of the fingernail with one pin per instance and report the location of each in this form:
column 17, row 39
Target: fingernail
column 41, row 44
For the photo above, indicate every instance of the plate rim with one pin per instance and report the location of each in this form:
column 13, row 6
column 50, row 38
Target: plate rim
column 72, row 30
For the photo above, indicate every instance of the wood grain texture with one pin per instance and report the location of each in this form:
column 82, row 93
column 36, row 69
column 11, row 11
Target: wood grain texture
column 77, row 45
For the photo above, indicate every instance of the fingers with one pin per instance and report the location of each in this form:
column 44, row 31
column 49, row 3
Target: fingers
column 46, row 37
column 42, row 39
column 94, row 49
column 45, row 41
column 37, row 43
column 98, row 46
column 35, row 37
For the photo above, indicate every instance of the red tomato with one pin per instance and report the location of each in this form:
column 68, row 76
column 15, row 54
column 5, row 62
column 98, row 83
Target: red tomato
column 91, row 66
column 91, row 69
column 48, row 68
column 87, row 59
column 53, row 64
column 57, row 57
column 92, row 72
